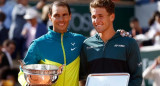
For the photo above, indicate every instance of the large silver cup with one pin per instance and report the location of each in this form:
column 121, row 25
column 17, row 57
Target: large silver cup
column 41, row 74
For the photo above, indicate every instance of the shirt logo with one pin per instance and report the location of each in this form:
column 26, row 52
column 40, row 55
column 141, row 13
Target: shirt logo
column 73, row 44
column 140, row 64
column 119, row 45
column 72, row 49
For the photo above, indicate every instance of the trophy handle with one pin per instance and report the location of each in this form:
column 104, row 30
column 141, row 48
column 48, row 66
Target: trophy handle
column 60, row 69
column 55, row 78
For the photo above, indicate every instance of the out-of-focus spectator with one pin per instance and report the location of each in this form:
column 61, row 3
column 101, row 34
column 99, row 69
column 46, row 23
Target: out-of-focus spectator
column 7, row 50
column 33, row 28
column 44, row 16
column 7, row 7
column 3, row 30
column 9, row 77
column 40, row 4
column 154, row 31
column 137, row 29
column 18, row 24
column 153, row 72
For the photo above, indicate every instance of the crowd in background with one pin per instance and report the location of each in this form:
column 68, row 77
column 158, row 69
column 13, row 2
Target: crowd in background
column 20, row 24
column 146, row 36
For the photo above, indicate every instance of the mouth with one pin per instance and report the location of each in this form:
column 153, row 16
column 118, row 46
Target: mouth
column 98, row 26
column 61, row 24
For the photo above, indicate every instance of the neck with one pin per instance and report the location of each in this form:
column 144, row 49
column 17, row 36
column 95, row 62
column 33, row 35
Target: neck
column 59, row 31
column 108, row 34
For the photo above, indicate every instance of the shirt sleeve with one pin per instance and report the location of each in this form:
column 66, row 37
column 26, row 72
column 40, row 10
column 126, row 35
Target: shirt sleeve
column 83, row 65
column 134, row 64
column 32, row 57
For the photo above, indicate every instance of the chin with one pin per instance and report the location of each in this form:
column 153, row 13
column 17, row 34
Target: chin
column 99, row 31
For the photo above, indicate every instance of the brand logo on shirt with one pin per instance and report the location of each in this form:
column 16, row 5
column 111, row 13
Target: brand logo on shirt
column 140, row 64
column 119, row 45
column 73, row 44
column 72, row 49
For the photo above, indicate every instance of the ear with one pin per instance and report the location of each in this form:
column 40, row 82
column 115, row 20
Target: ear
column 112, row 17
column 49, row 16
column 70, row 16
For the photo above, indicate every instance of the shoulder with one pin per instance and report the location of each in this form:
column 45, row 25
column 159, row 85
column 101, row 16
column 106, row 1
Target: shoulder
column 42, row 38
column 128, row 39
column 130, row 42
column 92, row 38
column 77, row 36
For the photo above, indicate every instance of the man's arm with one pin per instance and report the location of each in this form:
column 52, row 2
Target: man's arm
column 32, row 57
column 134, row 64
column 83, row 68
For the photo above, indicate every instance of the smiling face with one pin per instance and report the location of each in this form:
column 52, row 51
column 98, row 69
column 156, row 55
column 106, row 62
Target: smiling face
column 101, row 19
column 60, row 18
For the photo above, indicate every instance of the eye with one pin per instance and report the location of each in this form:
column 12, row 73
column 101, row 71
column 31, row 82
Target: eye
column 56, row 15
column 101, row 16
column 93, row 17
column 65, row 15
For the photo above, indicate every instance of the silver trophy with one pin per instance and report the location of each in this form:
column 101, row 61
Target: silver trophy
column 41, row 74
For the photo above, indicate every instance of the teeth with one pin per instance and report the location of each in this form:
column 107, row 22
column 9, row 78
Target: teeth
column 98, row 25
column 61, row 24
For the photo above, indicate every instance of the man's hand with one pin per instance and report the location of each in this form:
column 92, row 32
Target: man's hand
column 82, row 83
column 124, row 33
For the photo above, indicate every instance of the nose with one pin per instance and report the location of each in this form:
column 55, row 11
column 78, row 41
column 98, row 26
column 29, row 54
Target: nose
column 61, row 18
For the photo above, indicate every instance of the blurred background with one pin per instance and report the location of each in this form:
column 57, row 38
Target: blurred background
column 141, row 18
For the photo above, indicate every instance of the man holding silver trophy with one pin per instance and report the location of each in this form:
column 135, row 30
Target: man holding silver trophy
column 57, row 47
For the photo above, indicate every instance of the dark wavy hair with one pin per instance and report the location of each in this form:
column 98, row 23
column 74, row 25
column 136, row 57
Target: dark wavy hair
column 59, row 3
column 151, row 21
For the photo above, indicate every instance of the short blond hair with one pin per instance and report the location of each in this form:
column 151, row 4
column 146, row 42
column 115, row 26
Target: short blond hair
column 107, row 4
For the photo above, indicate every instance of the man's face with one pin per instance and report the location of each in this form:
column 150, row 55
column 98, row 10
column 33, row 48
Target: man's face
column 134, row 25
column 11, row 48
column 101, row 19
column 60, row 18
